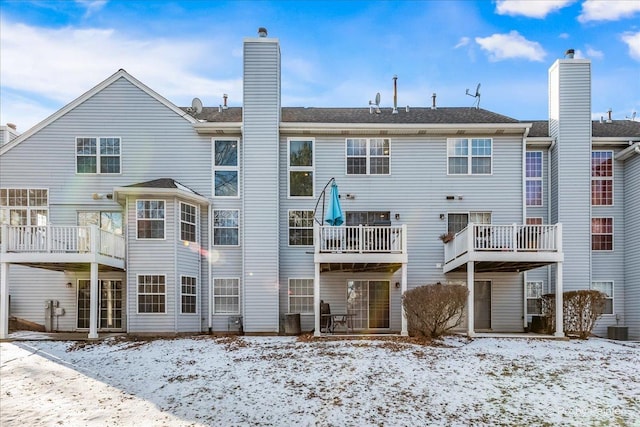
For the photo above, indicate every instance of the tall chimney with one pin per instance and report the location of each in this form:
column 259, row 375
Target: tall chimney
column 433, row 101
column 395, row 95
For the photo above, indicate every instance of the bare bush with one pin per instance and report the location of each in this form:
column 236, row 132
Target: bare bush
column 580, row 311
column 432, row 310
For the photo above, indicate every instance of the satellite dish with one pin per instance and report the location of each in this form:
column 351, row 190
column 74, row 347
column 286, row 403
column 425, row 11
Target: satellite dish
column 196, row 106
column 378, row 99
column 475, row 95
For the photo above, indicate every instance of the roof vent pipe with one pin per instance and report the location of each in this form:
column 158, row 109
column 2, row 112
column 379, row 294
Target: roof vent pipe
column 569, row 54
column 395, row 95
column 433, row 101
column 224, row 105
column 406, row 109
column 262, row 32
column 12, row 126
column 609, row 120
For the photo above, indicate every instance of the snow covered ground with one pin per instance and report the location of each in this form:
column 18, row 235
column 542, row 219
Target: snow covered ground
column 284, row 381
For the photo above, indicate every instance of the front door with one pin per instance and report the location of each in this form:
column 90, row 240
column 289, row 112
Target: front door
column 482, row 304
column 368, row 301
column 110, row 303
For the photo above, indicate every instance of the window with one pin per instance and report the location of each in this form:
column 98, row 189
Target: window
column 150, row 219
column 301, row 228
column 533, row 169
column 226, row 296
column 607, row 288
column 301, row 168
column 368, row 156
column 225, row 168
column 188, row 295
column 98, row 155
column 301, row 296
column 24, row 206
column 368, row 218
column 601, row 234
column 534, row 297
column 151, row 294
column 188, row 215
column 469, row 156
column 602, row 178
column 457, row 222
column 225, row 227
column 536, row 220
column 107, row 221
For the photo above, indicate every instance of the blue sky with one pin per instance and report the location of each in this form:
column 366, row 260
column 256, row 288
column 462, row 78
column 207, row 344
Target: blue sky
column 334, row 54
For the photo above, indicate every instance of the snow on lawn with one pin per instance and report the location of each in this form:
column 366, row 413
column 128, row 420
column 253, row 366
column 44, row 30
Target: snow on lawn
column 285, row 381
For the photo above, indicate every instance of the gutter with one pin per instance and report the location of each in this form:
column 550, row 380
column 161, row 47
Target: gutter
column 634, row 148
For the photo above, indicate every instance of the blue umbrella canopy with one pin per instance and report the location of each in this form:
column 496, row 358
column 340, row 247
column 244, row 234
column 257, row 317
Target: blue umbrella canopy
column 334, row 210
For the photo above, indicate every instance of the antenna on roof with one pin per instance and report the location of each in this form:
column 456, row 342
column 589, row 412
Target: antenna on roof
column 376, row 103
column 196, row 107
column 476, row 96
column 632, row 118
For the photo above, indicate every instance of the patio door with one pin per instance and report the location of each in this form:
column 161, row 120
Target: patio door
column 368, row 301
column 110, row 303
column 482, row 304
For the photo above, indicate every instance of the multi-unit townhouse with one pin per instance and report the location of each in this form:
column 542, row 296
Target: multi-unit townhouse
column 123, row 212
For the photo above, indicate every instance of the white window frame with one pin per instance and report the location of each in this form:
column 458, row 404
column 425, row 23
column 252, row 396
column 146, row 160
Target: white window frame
column 469, row 156
column 194, row 223
column 311, row 169
column 6, row 207
column 595, row 286
column 298, row 281
column 535, row 179
column 530, row 298
column 289, row 227
column 225, row 168
column 612, row 234
column 184, row 294
column 214, row 227
column 368, row 156
column 214, row 296
column 164, row 220
column 604, row 178
column 138, row 294
column 469, row 214
column 99, row 223
column 98, row 155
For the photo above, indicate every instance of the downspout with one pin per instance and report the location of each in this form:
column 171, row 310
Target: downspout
column 177, row 284
column 125, row 224
column 210, row 280
column 524, row 221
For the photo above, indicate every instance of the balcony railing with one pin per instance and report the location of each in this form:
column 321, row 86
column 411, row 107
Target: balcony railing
column 361, row 239
column 505, row 238
column 62, row 239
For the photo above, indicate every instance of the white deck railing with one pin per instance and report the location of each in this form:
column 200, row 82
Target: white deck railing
column 510, row 238
column 361, row 239
column 62, row 239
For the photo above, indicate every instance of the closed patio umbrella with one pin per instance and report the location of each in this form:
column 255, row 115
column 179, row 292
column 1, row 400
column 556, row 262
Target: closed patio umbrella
column 334, row 210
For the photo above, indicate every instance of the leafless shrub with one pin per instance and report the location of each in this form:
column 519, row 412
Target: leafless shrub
column 432, row 310
column 580, row 311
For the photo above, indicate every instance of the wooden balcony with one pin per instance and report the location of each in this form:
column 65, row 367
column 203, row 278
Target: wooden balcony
column 504, row 248
column 360, row 248
column 62, row 247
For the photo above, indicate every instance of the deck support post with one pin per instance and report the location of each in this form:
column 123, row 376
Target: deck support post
column 559, row 314
column 470, row 299
column 4, row 299
column 316, row 300
column 403, row 288
column 93, row 302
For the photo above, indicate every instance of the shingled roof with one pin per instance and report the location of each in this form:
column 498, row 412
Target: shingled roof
column 617, row 128
column 163, row 183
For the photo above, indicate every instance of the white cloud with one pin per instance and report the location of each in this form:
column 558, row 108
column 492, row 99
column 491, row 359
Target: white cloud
column 464, row 41
column 594, row 53
column 633, row 41
column 60, row 64
column 528, row 8
column 511, row 46
column 610, row 10
column 564, row 36
column 92, row 6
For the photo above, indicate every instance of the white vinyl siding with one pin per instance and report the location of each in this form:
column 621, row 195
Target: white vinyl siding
column 469, row 156
column 607, row 288
column 366, row 156
column 98, row 155
column 226, row 296
column 225, row 168
column 301, row 296
column 150, row 219
column 301, row 168
column 152, row 294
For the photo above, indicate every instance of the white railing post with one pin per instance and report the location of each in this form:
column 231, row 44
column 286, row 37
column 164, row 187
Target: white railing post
column 360, row 238
column 558, row 237
column 94, row 245
column 4, row 238
column 470, row 233
column 514, row 237
column 316, row 233
column 403, row 238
